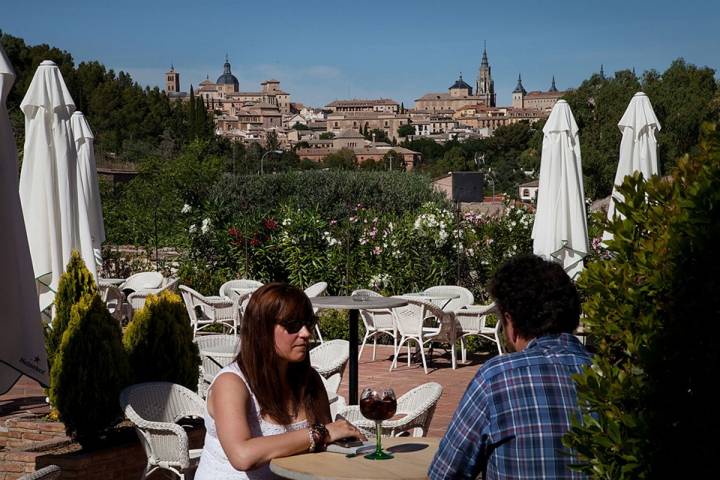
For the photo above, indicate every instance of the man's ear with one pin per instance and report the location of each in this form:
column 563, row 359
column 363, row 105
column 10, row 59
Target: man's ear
column 509, row 327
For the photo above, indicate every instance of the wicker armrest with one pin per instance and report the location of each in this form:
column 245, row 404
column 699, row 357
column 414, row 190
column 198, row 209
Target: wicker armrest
column 219, row 302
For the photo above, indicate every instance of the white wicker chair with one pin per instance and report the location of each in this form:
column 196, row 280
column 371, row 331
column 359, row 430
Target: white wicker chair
column 472, row 320
column 142, row 281
column 466, row 296
column 377, row 322
column 204, row 311
column 137, row 299
column 418, row 406
column 330, row 357
column 224, row 349
column 155, row 408
column 316, row 290
column 226, row 289
column 410, row 322
column 51, row 472
column 337, row 402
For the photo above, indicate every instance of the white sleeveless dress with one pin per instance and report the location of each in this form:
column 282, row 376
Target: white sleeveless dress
column 214, row 464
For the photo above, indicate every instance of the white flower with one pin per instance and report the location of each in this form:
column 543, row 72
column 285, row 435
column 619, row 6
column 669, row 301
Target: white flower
column 186, row 209
column 193, row 228
column 286, row 222
column 206, row 224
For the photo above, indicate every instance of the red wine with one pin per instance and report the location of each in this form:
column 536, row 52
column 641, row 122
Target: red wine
column 378, row 410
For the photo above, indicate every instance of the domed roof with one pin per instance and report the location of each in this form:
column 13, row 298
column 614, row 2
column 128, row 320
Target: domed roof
column 460, row 83
column 227, row 78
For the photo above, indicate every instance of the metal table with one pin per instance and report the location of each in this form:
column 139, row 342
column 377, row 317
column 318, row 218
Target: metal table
column 354, row 305
column 436, row 298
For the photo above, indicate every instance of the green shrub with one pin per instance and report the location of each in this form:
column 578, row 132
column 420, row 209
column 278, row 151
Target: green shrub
column 89, row 371
column 653, row 308
column 74, row 283
column 159, row 343
column 334, row 324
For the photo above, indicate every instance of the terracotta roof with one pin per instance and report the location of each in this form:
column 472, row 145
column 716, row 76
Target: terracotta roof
column 356, row 101
column 538, row 94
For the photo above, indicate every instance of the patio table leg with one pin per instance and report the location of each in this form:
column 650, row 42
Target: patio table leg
column 353, row 387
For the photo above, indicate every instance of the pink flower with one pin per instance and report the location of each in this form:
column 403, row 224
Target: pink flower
column 377, row 250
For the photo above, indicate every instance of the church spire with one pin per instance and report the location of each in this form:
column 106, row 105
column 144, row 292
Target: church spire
column 602, row 72
column 553, row 88
column 484, row 62
column 519, row 87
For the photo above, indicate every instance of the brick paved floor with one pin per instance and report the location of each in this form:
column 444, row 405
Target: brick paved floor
column 28, row 397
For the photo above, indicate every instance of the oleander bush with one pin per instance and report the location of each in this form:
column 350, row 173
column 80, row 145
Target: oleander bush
column 653, row 306
column 159, row 343
column 89, row 371
column 74, row 283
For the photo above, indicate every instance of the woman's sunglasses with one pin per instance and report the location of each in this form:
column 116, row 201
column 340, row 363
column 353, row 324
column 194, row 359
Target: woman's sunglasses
column 294, row 325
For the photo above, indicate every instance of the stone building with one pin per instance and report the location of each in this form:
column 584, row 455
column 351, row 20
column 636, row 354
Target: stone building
column 384, row 105
column 480, row 116
column 536, row 100
column 359, row 121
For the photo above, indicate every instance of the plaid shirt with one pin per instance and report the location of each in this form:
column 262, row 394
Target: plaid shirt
column 514, row 413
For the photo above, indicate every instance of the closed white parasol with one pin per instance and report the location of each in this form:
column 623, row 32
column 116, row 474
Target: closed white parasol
column 88, row 180
column 55, row 220
column 22, row 347
column 560, row 228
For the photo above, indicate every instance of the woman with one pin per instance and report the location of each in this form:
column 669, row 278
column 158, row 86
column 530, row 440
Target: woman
column 269, row 402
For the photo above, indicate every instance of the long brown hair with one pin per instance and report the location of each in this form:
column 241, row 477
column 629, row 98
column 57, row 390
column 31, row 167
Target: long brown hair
column 269, row 305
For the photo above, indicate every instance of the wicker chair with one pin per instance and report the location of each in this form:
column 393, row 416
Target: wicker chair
column 472, row 320
column 377, row 322
column 155, row 408
column 204, row 311
column 51, row 472
column 418, row 406
column 226, row 289
column 316, row 290
column 466, row 296
column 116, row 303
column 142, row 281
column 216, row 352
column 137, row 298
column 410, row 322
column 330, row 357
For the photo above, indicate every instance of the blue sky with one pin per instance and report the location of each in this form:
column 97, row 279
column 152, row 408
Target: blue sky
column 322, row 51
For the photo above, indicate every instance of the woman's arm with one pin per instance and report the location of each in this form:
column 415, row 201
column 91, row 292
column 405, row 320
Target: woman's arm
column 229, row 403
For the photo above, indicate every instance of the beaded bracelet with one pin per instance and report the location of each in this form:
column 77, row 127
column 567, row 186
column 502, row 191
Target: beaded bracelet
column 318, row 437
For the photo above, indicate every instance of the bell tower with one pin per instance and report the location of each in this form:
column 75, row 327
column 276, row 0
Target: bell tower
column 172, row 81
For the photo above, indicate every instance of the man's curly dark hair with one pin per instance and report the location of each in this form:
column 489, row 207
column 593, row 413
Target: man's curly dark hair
column 538, row 295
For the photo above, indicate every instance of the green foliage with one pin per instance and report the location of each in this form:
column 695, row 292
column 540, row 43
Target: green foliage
column 159, row 343
column 652, row 307
column 74, row 283
column 682, row 100
column 343, row 159
column 405, row 130
column 327, row 136
column 89, row 370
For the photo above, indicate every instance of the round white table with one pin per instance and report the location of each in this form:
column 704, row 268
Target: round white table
column 354, row 305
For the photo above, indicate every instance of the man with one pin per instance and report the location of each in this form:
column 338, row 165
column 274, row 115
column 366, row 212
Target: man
column 510, row 422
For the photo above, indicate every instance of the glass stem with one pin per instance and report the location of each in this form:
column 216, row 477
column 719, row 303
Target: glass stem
column 378, row 433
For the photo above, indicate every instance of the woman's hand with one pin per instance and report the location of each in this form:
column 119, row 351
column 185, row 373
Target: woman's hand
column 343, row 429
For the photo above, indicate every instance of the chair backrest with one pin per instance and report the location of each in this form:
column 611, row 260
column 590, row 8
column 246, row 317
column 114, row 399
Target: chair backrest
column 332, row 384
column 316, row 289
column 419, row 407
column 226, row 289
column 466, row 296
column 374, row 319
column 472, row 318
column 226, row 349
column 190, row 298
column 114, row 300
column 330, row 357
column 51, row 472
column 410, row 318
column 142, row 281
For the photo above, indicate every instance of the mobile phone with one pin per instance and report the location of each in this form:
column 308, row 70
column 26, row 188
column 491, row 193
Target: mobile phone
column 349, row 442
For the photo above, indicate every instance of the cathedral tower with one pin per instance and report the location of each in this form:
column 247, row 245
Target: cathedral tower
column 485, row 87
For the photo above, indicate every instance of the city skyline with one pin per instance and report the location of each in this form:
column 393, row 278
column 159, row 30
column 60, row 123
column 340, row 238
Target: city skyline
column 372, row 49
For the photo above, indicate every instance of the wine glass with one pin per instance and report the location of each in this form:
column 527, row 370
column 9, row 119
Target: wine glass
column 378, row 405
